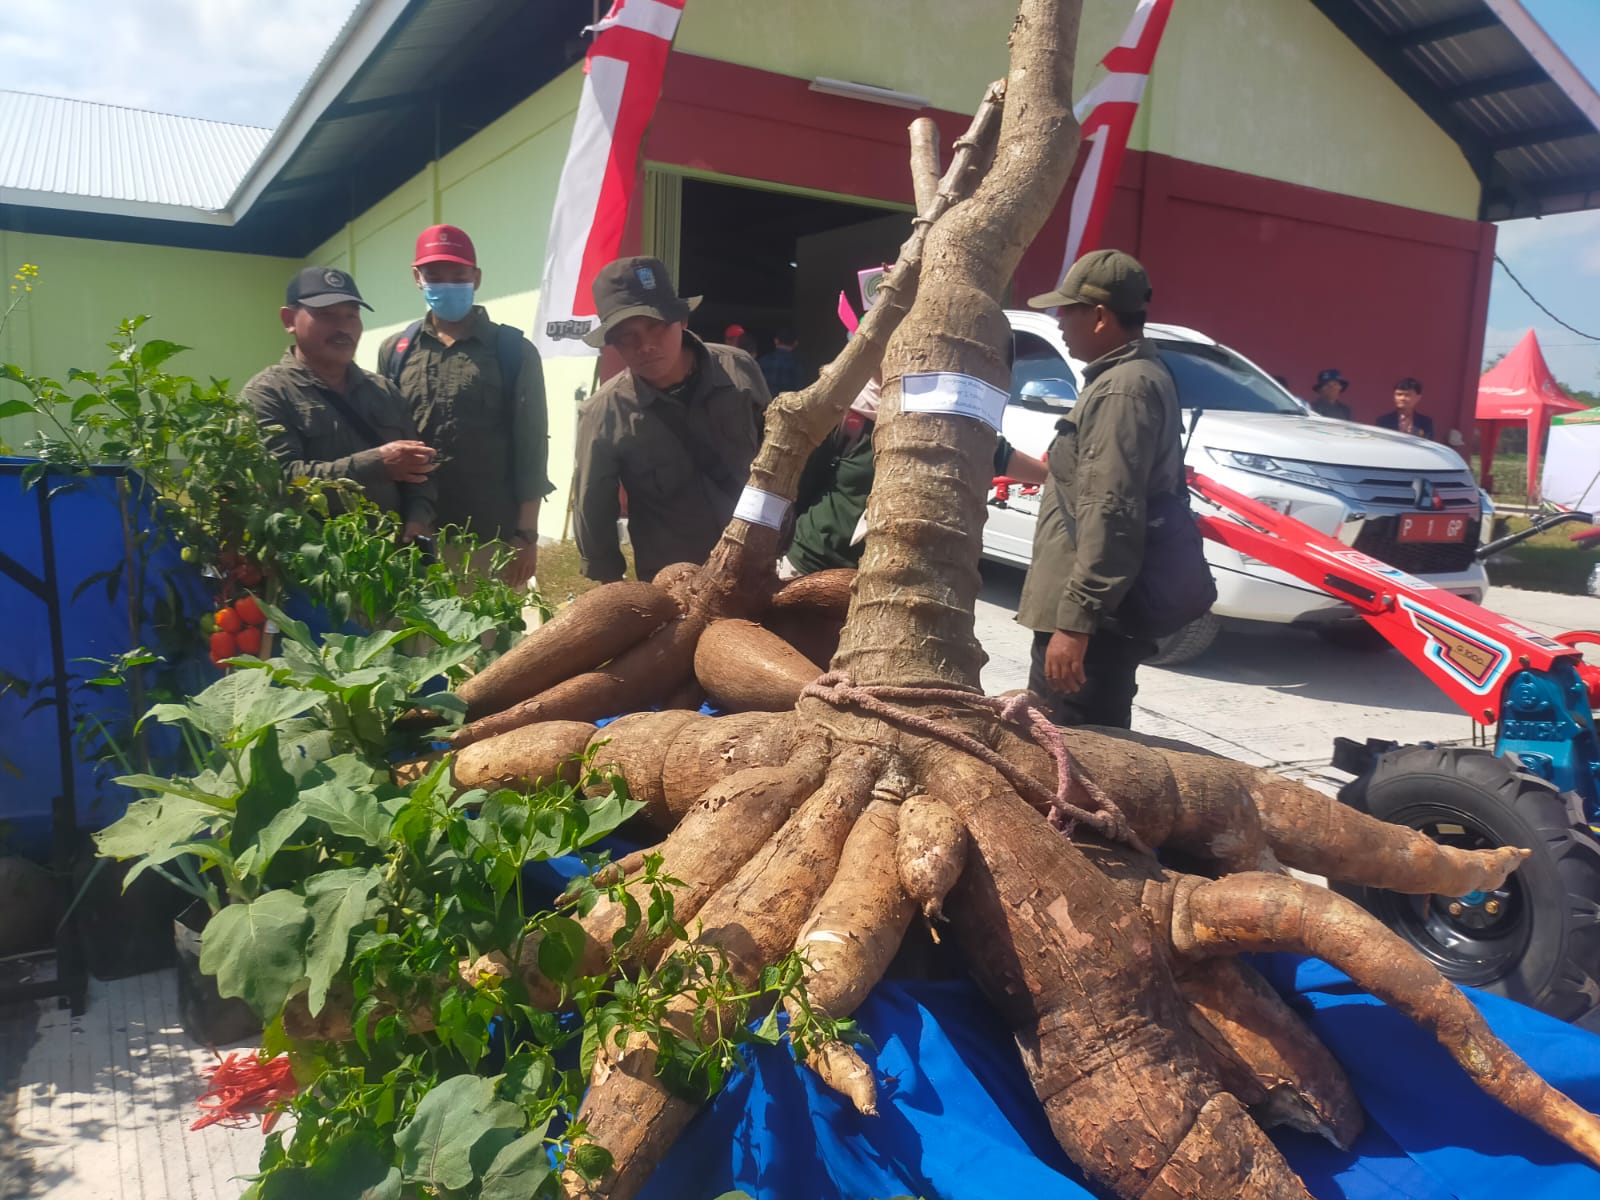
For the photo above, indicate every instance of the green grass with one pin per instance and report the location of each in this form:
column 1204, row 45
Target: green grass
column 1551, row 562
column 1510, row 483
column 560, row 572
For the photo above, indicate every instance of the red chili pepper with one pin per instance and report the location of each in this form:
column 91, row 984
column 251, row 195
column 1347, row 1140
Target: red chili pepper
column 242, row 1085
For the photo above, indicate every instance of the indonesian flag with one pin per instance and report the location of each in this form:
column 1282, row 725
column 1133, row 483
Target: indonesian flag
column 621, row 84
column 1106, row 113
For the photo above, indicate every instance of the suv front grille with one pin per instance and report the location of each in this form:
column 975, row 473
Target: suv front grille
column 1378, row 538
column 1386, row 488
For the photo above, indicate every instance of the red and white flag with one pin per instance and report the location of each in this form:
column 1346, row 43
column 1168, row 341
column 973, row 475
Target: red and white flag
column 1106, row 113
column 621, row 84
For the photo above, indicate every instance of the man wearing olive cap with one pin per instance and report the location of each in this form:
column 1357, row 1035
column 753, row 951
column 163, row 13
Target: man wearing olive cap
column 323, row 417
column 1120, row 445
column 677, row 428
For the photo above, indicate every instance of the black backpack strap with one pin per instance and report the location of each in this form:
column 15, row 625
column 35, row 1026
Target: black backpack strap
column 397, row 356
column 706, row 460
column 508, row 349
column 354, row 419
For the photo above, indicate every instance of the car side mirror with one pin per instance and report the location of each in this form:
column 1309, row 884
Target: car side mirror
column 1057, row 393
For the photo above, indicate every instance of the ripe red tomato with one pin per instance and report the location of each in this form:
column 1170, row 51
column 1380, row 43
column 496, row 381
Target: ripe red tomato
column 223, row 646
column 228, row 621
column 249, row 611
column 249, row 640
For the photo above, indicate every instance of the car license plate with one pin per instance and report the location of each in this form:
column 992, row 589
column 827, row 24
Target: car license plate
column 1432, row 527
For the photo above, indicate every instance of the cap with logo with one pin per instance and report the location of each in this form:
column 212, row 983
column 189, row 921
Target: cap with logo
column 319, row 287
column 1331, row 375
column 635, row 287
column 1105, row 277
column 444, row 243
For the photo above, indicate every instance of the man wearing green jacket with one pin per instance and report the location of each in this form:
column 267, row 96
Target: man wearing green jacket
column 1120, row 445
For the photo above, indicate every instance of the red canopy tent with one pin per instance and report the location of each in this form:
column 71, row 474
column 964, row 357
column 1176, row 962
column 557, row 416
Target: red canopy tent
column 1519, row 389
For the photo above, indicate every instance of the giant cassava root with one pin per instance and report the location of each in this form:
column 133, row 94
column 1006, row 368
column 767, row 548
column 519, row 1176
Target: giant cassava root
column 1146, row 1047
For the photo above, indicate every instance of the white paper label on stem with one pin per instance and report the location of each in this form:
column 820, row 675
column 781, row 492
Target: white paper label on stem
column 949, row 394
column 761, row 508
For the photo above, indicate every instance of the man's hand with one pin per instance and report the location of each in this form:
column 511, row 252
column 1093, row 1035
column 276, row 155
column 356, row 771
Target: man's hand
column 520, row 569
column 407, row 461
column 1063, row 660
column 412, row 530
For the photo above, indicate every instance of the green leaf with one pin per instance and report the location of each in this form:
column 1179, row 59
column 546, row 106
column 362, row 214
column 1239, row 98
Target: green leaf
column 350, row 1167
column 238, row 706
column 257, row 951
column 270, row 792
column 347, row 813
column 560, row 948
column 338, row 901
column 605, row 813
column 154, row 824
column 14, row 408
column 766, row 1033
column 156, row 351
column 518, row 1170
column 589, row 1160
column 436, row 1144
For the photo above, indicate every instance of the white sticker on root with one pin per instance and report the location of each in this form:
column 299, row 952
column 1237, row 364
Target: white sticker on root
column 824, row 935
column 761, row 508
column 949, row 394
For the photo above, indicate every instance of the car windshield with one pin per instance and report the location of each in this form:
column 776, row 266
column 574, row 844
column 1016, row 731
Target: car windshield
column 1218, row 380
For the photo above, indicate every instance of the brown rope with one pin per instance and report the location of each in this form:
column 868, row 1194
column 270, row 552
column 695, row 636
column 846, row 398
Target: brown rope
column 835, row 688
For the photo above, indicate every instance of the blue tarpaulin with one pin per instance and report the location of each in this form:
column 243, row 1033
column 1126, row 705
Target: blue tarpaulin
column 84, row 525
column 959, row 1121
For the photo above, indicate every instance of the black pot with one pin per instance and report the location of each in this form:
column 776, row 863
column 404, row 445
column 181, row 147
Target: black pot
column 125, row 932
column 205, row 1015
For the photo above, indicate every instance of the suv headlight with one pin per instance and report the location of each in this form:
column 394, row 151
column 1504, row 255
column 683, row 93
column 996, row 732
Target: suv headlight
column 1262, row 464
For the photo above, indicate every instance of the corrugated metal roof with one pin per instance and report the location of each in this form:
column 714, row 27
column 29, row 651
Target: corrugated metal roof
column 1525, row 122
column 60, row 147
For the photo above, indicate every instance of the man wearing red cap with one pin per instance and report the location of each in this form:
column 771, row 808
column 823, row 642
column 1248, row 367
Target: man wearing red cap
column 476, row 392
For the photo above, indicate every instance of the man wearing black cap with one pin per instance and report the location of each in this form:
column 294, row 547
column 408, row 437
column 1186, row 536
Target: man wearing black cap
column 323, row 417
column 1120, row 446
column 677, row 428
column 1325, row 397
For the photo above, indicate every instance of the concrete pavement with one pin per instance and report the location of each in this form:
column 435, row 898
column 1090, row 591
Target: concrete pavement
column 1277, row 696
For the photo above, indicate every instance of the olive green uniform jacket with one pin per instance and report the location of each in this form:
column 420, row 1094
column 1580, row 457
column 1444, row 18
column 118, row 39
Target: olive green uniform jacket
column 493, row 440
column 1121, row 444
column 303, row 429
column 627, row 435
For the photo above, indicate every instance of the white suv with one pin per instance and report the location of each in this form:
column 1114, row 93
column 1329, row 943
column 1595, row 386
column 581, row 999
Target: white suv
column 1354, row 482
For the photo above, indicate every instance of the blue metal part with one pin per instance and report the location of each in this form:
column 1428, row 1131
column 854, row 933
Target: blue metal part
column 1546, row 721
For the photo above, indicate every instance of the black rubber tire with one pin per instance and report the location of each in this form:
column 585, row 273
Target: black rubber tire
column 1188, row 644
column 1543, row 949
column 1353, row 635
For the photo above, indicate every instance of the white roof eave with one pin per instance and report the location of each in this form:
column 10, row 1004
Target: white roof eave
column 355, row 43
column 113, row 207
column 1549, row 56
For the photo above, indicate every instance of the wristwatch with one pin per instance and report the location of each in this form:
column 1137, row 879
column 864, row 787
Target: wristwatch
column 530, row 536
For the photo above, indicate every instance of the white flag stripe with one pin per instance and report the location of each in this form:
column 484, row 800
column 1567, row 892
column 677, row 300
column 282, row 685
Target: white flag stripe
column 647, row 16
column 577, row 198
column 1083, row 197
column 1121, row 88
column 1135, row 29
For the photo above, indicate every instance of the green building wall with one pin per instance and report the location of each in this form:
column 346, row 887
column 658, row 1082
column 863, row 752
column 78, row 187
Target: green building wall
column 225, row 306
column 500, row 187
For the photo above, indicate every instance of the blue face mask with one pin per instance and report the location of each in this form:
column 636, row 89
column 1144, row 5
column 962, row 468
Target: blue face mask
column 449, row 301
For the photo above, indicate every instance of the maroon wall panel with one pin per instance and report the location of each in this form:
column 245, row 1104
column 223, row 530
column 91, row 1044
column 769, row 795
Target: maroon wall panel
column 1295, row 278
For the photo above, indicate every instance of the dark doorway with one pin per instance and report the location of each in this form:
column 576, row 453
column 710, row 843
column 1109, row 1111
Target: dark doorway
column 774, row 260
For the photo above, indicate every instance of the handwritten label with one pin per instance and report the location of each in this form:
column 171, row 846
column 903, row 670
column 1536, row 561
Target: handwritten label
column 761, row 508
column 949, row 394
